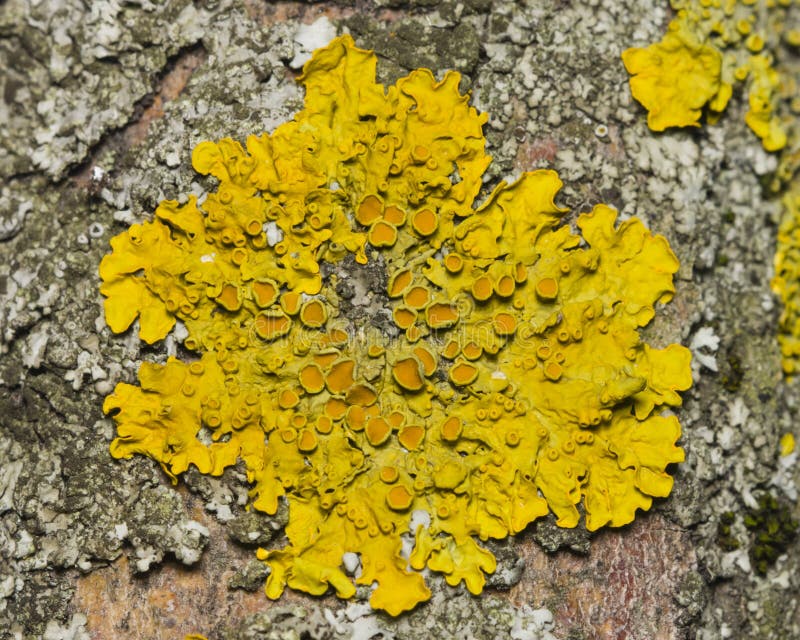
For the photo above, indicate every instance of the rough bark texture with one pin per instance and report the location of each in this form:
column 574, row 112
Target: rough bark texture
column 101, row 105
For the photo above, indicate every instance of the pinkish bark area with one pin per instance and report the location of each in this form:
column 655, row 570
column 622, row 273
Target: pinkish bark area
column 267, row 14
column 621, row 590
column 532, row 153
column 172, row 600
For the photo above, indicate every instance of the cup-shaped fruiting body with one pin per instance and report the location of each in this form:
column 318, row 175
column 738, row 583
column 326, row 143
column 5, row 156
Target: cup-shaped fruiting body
column 407, row 373
column 510, row 382
column 313, row 314
column 271, row 324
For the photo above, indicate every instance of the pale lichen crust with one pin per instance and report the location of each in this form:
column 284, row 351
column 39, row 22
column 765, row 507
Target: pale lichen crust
column 709, row 48
column 514, row 382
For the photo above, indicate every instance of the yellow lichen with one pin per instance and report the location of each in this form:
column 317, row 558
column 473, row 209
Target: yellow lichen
column 786, row 282
column 709, row 47
column 787, row 444
column 764, row 91
column 675, row 78
column 517, row 384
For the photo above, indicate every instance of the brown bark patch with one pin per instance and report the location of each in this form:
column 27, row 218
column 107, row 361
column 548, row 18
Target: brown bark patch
column 623, row 590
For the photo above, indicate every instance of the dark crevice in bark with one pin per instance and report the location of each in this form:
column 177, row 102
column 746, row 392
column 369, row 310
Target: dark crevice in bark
column 167, row 86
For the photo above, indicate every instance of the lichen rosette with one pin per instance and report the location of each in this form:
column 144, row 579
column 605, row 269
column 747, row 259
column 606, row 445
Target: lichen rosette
column 514, row 382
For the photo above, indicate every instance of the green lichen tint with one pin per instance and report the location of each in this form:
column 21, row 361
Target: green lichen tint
column 772, row 529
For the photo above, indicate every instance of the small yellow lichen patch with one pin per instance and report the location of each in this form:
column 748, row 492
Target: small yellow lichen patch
column 674, row 79
column 708, row 48
column 514, row 384
column 787, row 444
